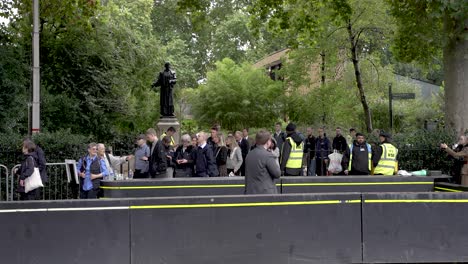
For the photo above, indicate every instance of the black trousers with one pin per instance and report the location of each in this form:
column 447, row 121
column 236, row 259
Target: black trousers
column 140, row 175
column 31, row 195
column 321, row 168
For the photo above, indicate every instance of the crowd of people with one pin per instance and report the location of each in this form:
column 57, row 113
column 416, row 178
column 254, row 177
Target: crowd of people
column 261, row 159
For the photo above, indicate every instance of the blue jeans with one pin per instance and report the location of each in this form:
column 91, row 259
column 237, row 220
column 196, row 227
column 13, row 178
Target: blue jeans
column 311, row 168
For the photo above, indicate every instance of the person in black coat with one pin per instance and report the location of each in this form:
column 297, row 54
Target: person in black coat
column 183, row 157
column 339, row 142
column 244, row 146
column 157, row 159
column 26, row 170
column 322, row 150
column 221, row 154
column 455, row 171
column 203, row 158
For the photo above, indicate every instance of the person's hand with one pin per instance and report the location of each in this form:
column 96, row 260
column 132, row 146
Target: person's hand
column 443, row 146
column 169, row 157
column 144, row 158
column 21, row 182
column 82, row 174
column 346, row 172
column 129, row 157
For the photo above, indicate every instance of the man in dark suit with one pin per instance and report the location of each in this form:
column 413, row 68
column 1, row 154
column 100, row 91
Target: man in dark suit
column 157, row 159
column 203, row 158
column 251, row 141
column 245, row 147
column 262, row 167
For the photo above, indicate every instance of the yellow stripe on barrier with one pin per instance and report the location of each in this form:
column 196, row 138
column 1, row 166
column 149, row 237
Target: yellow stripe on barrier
column 227, row 205
column 243, row 185
column 173, row 186
column 419, row 201
column 356, row 183
column 447, row 189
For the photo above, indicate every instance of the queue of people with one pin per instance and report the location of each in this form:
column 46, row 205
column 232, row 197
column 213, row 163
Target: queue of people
column 261, row 159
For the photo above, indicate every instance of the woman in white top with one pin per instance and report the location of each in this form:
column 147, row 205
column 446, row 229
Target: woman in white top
column 234, row 159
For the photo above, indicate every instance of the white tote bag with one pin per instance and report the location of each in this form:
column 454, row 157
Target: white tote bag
column 335, row 162
column 34, row 181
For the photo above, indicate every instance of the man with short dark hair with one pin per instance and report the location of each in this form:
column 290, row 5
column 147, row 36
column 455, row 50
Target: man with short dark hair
column 357, row 159
column 279, row 136
column 262, row 167
column 351, row 137
column 170, row 132
column 245, row 135
column 385, row 156
column 339, row 142
column 322, row 150
column 309, row 151
column 292, row 153
column 213, row 135
column 157, row 159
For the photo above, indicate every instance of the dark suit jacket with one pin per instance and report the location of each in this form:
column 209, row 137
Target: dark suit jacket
column 261, row 170
column 245, row 147
column 157, row 159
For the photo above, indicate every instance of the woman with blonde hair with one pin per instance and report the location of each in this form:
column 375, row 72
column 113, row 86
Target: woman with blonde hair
column 234, row 159
column 220, row 154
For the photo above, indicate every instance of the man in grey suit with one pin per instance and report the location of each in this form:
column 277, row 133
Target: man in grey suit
column 261, row 167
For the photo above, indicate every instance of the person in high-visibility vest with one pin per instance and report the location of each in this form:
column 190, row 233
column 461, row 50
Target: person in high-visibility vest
column 357, row 159
column 169, row 133
column 292, row 153
column 385, row 156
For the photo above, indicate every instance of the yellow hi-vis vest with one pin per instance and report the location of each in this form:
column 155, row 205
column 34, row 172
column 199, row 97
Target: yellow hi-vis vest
column 172, row 139
column 295, row 157
column 387, row 162
column 369, row 155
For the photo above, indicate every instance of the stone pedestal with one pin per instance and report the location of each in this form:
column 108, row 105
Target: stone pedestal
column 164, row 123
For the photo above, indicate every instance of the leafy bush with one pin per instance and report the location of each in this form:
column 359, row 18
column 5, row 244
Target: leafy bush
column 420, row 150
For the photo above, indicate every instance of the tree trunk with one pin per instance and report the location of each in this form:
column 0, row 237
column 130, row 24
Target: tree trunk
column 456, row 84
column 322, row 54
column 357, row 72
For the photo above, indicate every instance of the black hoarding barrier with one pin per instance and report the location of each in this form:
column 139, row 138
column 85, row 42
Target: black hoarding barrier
column 324, row 228
column 64, row 232
column 449, row 187
column 235, row 185
column 173, row 187
column 327, row 184
column 415, row 227
column 247, row 229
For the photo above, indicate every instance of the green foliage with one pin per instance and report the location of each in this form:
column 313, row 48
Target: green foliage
column 420, row 150
column 237, row 96
column 426, row 26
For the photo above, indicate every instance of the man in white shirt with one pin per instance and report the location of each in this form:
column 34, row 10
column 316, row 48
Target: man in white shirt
column 112, row 162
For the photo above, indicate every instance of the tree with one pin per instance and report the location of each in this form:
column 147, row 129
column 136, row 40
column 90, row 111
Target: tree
column 427, row 29
column 319, row 23
column 237, row 96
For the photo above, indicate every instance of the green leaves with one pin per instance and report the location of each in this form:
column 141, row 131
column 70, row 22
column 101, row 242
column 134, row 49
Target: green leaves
column 237, row 96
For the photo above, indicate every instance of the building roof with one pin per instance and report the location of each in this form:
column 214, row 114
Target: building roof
column 272, row 59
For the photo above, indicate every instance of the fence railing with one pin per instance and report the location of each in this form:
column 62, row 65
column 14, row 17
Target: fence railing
column 4, row 190
column 62, row 181
column 59, row 186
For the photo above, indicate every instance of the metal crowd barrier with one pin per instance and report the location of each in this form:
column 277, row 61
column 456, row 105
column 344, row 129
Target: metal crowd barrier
column 4, row 183
column 60, row 184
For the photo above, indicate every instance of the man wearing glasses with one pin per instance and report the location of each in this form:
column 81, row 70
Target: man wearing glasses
column 91, row 169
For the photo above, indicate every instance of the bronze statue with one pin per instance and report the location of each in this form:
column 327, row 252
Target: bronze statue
column 166, row 80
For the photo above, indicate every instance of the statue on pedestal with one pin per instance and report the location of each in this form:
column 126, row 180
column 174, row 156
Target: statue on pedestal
column 166, row 80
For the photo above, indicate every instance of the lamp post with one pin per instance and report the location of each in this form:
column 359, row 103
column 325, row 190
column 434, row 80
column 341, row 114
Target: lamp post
column 36, row 79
